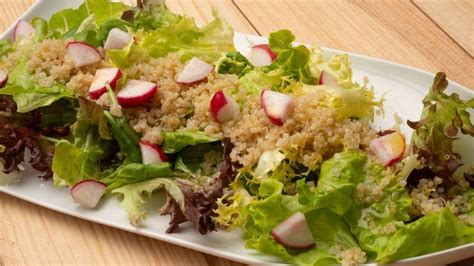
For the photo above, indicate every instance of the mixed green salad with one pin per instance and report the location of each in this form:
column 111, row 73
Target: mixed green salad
column 382, row 201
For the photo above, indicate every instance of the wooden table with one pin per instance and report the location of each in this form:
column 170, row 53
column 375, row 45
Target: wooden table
column 429, row 34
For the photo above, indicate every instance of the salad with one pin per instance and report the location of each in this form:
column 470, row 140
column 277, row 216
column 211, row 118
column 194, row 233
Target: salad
column 110, row 100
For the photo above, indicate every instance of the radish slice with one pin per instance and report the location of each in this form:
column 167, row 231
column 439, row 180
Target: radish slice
column 87, row 193
column 3, row 78
column 194, row 71
column 277, row 106
column 261, row 55
column 83, row 54
column 223, row 107
column 151, row 153
column 22, row 29
column 389, row 148
column 136, row 93
column 102, row 77
column 326, row 79
column 117, row 39
column 294, row 232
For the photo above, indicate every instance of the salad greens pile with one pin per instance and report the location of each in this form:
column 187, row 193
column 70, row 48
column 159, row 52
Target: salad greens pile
column 356, row 208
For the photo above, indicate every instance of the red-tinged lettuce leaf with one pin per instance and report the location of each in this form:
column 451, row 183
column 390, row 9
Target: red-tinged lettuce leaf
column 443, row 116
column 20, row 132
column 14, row 141
column 201, row 201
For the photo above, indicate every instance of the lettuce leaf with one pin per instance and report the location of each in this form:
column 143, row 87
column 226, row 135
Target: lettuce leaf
column 68, row 21
column 88, row 150
column 27, row 94
column 209, row 43
column 234, row 63
column 133, row 196
column 173, row 142
column 434, row 232
column 292, row 65
column 293, row 61
column 136, row 172
column 443, row 116
column 344, row 188
column 6, row 46
column 127, row 139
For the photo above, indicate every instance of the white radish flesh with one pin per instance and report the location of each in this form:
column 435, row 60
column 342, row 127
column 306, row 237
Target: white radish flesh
column 136, row 93
column 22, row 29
column 3, row 78
column 261, row 55
column 102, row 77
column 194, row 71
column 117, row 39
column 82, row 54
column 389, row 148
column 277, row 106
column 326, row 79
column 294, row 232
column 223, row 107
column 87, row 193
column 151, row 153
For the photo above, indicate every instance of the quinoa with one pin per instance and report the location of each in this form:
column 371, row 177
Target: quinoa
column 349, row 257
column 312, row 133
column 49, row 63
column 430, row 197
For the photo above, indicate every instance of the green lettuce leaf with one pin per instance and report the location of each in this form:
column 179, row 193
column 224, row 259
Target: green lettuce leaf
column 173, row 142
column 133, row 197
column 292, row 65
column 234, row 63
column 136, row 172
column 127, row 139
column 371, row 202
column 294, row 61
column 27, row 94
column 41, row 29
column 336, row 183
column 69, row 20
column 209, row 43
column 90, row 22
column 88, row 149
column 434, row 232
column 6, row 46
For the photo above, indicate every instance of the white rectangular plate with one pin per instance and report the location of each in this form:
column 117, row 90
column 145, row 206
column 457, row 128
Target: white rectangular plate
column 406, row 86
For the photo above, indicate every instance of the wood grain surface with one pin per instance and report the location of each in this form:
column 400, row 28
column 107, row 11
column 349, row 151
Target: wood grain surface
column 432, row 35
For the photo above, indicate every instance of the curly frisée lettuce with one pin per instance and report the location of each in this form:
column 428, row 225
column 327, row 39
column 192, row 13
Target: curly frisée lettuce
column 134, row 196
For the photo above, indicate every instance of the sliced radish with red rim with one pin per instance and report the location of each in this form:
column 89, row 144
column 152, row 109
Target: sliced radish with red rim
column 82, row 54
column 22, row 29
column 277, row 106
column 389, row 148
column 87, row 193
column 102, row 77
column 326, row 79
column 151, row 153
column 223, row 107
column 194, row 71
column 3, row 78
column 136, row 93
column 294, row 232
column 261, row 55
